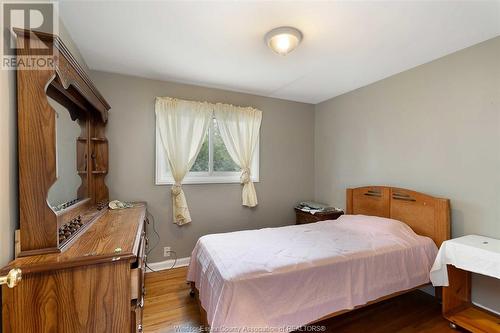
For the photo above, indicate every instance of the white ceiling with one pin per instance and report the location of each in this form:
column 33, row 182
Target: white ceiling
column 346, row 45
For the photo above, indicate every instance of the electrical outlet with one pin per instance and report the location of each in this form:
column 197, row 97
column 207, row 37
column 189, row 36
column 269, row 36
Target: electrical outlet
column 166, row 251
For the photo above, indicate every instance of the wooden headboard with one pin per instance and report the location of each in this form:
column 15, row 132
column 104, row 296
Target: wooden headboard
column 426, row 215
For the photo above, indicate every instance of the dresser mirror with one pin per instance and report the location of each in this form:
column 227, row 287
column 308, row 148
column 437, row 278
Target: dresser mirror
column 64, row 192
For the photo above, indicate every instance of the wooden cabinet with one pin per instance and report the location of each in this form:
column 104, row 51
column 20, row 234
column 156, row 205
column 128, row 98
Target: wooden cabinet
column 455, row 263
column 305, row 217
column 96, row 285
column 458, row 308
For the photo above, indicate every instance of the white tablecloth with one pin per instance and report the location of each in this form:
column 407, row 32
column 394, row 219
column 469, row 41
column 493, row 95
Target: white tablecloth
column 477, row 254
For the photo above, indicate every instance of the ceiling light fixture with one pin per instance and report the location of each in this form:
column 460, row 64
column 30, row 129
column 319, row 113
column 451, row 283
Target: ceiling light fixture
column 283, row 40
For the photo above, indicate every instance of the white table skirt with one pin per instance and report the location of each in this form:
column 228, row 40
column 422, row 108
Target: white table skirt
column 477, row 254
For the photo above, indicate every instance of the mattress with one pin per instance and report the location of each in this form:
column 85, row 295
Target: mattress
column 283, row 278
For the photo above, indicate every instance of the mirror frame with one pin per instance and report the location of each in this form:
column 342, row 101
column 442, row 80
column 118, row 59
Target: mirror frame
column 68, row 84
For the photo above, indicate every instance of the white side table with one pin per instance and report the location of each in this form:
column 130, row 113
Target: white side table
column 456, row 260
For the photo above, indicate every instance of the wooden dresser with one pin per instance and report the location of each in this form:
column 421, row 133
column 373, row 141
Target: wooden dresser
column 79, row 266
column 96, row 285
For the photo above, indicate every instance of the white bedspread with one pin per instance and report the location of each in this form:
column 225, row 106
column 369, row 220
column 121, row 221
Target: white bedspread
column 290, row 276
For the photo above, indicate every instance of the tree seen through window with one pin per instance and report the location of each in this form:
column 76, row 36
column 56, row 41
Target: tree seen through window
column 221, row 161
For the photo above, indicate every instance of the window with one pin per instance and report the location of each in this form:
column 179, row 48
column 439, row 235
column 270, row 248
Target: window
column 213, row 164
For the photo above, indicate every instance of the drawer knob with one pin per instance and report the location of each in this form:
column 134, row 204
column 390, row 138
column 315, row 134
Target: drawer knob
column 12, row 278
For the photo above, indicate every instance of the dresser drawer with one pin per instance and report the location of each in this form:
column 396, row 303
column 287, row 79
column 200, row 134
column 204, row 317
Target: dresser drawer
column 137, row 273
column 136, row 284
column 136, row 320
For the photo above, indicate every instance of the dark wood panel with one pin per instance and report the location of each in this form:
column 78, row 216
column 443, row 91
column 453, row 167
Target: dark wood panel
column 302, row 217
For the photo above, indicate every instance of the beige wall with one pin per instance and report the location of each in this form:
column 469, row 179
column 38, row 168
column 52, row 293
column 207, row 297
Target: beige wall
column 286, row 161
column 435, row 129
column 8, row 165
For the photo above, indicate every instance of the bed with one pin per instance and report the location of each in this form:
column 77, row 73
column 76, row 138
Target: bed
column 279, row 279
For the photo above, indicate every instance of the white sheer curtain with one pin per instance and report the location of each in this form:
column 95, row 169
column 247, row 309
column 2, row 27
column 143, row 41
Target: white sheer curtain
column 239, row 128
column 182, row 126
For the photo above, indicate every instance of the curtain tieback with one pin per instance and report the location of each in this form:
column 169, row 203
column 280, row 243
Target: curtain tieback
column 176, row 189
column 245, row 176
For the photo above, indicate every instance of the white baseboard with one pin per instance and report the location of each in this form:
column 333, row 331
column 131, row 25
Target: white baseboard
column 167, row 264
column 486, row 308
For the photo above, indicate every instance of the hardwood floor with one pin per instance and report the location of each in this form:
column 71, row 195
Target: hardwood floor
column 169, row 308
